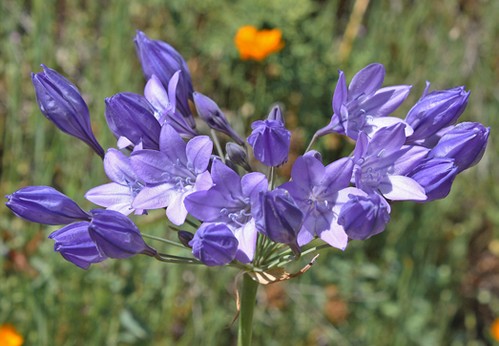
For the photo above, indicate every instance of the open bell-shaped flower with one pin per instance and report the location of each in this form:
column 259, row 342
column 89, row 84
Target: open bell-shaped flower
column 376, row 168
column 119, row 194
column 172, row 173
column 364, row 106
column 315, row 189
column 228, row 201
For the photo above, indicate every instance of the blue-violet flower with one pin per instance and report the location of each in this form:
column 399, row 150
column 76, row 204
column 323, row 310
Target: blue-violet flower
column 375, row 165
column 315, row 190
column 435, row 111
column 270, row 140
column 213, row 116
column 160, row 59
column 116, row 236
column 465, row 143
column 46, row 205
column 130, row 118
column 365, row 106
column 125, row 185
column 214, row 244
column 61, row 102
column 165, row 104
column 73, row 242
column 229, row 201
column 172, row 173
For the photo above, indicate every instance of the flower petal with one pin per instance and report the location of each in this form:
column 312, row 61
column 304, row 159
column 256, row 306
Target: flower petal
column 155, row 197
column 150, row 166
column 176, row 211
column 400, row 188
column 156, row 94
column 118, row 168
column 307, row 172
column 110, row 194
column 366, row 81
column 340, row 93
column 198, row 152
column 253, row 183
column 246, row 237
column 171, row 144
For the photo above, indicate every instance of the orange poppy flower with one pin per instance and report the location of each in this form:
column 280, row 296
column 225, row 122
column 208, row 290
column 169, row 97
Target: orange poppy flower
column 9, row 336
column 254, row 44
column 494, row 329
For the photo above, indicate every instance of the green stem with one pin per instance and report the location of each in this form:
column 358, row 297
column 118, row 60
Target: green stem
column 312, row 141
column 192, row 223
column 176, row 259
column 217, row 145
column 248, row 300
column 167, row 241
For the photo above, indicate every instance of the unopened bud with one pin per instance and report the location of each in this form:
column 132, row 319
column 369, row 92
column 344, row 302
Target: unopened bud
column 185, row 237
column 237, row 155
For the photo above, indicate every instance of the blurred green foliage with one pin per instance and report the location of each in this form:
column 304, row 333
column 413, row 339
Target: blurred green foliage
column 430, row 279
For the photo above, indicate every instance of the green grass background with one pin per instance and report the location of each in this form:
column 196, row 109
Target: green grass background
column 432, row 278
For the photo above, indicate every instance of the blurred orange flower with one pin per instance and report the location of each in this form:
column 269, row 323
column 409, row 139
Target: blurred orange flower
column 9, row 336
column 494, row 329
column 254, row 44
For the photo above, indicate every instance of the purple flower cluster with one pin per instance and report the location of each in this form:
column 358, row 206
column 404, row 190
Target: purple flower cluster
column 238, row 215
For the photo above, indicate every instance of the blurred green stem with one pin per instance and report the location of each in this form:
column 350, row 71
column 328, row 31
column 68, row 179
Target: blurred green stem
column 217, row 145
column 248, row 301
column 312, row 141
column 260, row 88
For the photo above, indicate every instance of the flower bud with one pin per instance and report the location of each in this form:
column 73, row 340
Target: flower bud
column 211, row 114
column 465, row 143
column 436, row 110
column 73, row 242
column 364, row 216
column 116, row 236
column 46, row 205
column 185, row 237
column 160, row 59
column 214, row 244
column 237, row 155
column 270, row 140
column 131, row 116
column 436, row 176
column 61, row 102
column 278, row 217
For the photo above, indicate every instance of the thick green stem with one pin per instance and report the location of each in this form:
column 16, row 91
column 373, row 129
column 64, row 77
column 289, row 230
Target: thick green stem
column 248, row 300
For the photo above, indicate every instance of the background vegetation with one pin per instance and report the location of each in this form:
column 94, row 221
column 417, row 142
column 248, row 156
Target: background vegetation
column 431, row 279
